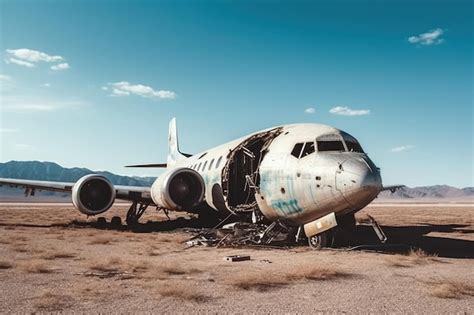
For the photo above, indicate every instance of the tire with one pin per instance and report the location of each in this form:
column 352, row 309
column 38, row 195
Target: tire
column 116, row 222
column 319, row 241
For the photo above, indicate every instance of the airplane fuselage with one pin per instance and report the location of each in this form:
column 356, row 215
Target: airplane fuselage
column 293, row 173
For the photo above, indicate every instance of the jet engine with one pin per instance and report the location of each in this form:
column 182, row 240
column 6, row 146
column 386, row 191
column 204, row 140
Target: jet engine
column 93, row 194
column 178, row 189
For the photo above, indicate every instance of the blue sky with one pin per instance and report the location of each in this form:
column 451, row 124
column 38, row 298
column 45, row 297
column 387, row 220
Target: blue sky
column 94, row 83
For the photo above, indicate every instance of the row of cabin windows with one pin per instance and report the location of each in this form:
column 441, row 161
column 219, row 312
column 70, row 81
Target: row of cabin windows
column 198, row 168
column 303, row 149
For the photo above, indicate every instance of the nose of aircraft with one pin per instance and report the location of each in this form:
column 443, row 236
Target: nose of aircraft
column 359, row 181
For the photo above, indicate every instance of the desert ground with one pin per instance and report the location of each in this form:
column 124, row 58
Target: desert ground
column 54, row 259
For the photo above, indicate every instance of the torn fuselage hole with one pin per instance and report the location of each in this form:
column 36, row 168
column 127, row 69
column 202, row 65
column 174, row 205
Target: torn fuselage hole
column 240, row 176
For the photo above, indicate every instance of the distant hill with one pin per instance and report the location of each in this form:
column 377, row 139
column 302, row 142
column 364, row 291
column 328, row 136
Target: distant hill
column 53, row 172
column 50, row 171
column 429, row 192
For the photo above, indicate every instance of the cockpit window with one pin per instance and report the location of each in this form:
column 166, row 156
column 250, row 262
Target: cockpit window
column 308, row 149
column 354, row 146
column 303, row 149
column 330, row 146
column 330, row 142
column 297, row 150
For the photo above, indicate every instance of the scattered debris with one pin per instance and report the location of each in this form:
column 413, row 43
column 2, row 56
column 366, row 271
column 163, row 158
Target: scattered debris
column 240, row 233
column 234, row 258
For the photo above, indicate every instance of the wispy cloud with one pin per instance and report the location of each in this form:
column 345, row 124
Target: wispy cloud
column 6, row 82
column 61, row 66
column 20, row 62
column 432, row 37
column 29, row 58
column 124, row 88
column 18, row 104
column 402, row 148
column 47, row 85
column 310, row 110
column 346, row 111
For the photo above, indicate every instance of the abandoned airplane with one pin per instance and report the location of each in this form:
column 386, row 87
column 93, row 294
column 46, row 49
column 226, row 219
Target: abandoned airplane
column 309, row 176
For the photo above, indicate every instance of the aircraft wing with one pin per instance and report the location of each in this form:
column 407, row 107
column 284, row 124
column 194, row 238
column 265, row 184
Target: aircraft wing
column 132, row 193
column 392, row 188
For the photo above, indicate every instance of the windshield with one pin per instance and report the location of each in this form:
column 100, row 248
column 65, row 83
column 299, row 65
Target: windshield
column 330, row 142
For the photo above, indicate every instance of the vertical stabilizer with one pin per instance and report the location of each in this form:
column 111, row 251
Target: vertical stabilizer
column 173, row 149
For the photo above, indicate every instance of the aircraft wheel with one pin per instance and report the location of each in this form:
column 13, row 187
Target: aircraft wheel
column 116, row 222
column 318, row 241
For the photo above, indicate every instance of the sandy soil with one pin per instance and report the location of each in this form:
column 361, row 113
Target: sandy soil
column 47, row 263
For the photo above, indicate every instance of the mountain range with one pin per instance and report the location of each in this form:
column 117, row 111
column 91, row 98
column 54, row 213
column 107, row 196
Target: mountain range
column 50, row 171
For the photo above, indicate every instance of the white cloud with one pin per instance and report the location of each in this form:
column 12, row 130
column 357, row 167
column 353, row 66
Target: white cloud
column 47, row 85
column 402, row 148
column 310, row 110
column 28, row 58
column 20, row 62
column 124, row 88
column 61, row 66
column 33, row 55
column 346, row 111
column 432, row 37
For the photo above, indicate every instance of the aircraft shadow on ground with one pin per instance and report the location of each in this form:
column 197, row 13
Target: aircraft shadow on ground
column 400, row 238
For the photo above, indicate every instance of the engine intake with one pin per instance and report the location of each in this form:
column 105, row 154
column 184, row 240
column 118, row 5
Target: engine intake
column 178, row 189
column 93, row 194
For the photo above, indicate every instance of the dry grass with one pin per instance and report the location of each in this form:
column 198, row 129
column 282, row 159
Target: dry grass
column 265, row 281
column 177, row 270
column 58, row 255
column 109, row 265
column 36, row 266
column 413, row 258
column 52, row 302
column 5, row 264
column 449, row 289
column 101, row 240
column 182, row 292
column 315, row 273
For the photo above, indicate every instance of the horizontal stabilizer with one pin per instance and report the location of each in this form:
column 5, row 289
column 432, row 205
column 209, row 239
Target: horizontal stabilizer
column 158, row 165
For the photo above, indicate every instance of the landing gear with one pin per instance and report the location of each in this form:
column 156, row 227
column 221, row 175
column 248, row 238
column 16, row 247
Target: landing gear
column 135, row 212
column 325, row 239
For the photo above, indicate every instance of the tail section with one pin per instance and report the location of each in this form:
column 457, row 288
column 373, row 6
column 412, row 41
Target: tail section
column 173, row 149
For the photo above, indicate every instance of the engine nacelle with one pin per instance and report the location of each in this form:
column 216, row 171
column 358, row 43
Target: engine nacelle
column 93, row 194
column 178, row 189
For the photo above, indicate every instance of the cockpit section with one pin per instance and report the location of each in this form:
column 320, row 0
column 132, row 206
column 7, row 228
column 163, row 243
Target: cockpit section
column 327, row 143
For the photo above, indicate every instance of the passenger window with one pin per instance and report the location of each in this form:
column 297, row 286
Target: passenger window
column 199, row 167
column 330, row 146
column 218, row 162
column 297, row 150
column 204, row 166
column 308, row 149
column 210, row 164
